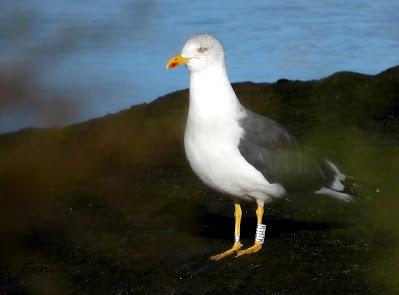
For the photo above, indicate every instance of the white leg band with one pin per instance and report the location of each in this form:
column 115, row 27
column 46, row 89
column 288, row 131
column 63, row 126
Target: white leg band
column 236, row 239
column 260, row 233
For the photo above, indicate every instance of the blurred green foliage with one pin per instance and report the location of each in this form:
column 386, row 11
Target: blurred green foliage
column 112, row 207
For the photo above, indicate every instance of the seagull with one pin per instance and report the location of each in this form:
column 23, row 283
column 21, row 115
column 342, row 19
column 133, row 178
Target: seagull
column 240, row 153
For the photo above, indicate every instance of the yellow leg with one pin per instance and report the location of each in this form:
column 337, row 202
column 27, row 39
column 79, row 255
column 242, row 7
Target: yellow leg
column 237, row 245
column 257, row 246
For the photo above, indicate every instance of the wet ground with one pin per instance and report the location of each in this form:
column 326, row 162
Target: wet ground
column 110, row 206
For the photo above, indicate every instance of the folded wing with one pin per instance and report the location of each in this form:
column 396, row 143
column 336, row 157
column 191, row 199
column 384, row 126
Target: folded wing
column 277, row 154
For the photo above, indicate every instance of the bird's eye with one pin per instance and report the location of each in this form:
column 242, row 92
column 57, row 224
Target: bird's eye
column 202, row 49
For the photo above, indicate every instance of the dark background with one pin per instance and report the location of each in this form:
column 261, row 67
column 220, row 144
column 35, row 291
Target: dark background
column 110, row 206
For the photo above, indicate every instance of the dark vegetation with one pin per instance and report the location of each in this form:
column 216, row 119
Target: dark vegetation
column 110, row 206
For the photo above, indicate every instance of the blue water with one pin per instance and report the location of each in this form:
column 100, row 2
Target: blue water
column 86, row 59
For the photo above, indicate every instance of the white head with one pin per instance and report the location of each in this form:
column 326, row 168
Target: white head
column 199, row 53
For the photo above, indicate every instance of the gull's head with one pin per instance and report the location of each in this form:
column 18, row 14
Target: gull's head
column 199, row 53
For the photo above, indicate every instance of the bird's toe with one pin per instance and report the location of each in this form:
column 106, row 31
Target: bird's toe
column 253, row 249
column 236, row 247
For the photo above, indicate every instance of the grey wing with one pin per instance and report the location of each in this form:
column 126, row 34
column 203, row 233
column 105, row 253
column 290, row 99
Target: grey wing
column 276, row 153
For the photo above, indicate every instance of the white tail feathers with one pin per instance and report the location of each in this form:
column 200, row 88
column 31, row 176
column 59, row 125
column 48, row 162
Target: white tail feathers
column 332, row 193
column 335, row 190
column 339, row 176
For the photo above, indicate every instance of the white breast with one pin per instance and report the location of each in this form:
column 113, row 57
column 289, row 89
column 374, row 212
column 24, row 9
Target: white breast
column 212, row 137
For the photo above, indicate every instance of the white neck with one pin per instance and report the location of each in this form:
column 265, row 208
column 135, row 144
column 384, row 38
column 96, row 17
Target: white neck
column 211, row 96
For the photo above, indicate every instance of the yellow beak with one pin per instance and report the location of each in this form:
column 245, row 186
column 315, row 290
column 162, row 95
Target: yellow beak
column 177, row 60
